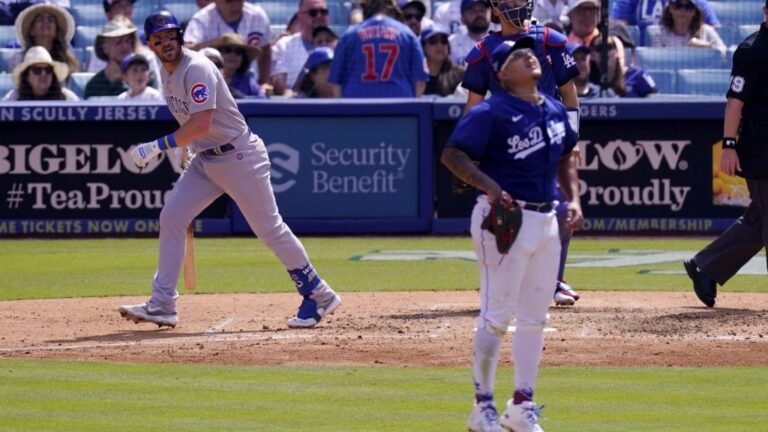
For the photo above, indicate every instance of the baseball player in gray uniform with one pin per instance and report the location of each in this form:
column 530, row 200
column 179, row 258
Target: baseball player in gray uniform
column 229, row 159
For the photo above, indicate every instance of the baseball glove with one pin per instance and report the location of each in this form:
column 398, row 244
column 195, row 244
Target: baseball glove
column 504, row 221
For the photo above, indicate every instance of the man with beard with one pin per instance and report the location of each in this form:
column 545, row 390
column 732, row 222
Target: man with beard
column 476, row 15
column 229, row 159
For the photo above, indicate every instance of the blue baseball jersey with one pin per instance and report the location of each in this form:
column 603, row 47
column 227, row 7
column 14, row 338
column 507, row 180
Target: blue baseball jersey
column 380, row 57
column 518, row 144
column 557, row 65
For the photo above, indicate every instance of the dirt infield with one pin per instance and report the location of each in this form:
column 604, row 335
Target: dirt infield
column 408, row 329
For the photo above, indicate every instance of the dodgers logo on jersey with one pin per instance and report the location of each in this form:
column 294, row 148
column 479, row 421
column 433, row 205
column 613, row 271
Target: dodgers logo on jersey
column 199, row 93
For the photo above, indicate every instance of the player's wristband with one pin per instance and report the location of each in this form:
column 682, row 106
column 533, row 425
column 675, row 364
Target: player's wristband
column 574, row 118
column 729, row 143
column 167, row 142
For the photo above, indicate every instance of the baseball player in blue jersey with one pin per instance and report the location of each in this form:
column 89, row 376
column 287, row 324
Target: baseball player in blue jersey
column 380, row 57
column 558, row 70
column 523, row 141
column 229, row 159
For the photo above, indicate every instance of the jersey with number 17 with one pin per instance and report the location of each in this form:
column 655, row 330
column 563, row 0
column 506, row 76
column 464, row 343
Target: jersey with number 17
column 380, row 57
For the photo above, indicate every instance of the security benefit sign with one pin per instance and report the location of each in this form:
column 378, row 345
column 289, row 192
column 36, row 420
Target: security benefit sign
column 343, row 167
column 64, row 189
column 649, row 176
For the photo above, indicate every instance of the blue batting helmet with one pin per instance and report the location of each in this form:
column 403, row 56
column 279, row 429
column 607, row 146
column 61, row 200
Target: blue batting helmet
column 159, row 21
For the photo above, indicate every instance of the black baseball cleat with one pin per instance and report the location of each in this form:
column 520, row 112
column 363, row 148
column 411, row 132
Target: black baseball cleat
column 704, row 287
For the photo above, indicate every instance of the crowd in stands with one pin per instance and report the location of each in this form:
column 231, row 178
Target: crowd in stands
column 55, row 56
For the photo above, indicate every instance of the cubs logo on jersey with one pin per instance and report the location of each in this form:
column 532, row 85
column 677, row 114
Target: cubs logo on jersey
column 254, row 38
column 199, row 93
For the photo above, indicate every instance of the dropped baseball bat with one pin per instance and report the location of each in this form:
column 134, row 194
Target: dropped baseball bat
column 190, row 271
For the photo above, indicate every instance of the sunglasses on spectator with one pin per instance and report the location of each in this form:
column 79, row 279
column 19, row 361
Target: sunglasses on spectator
column 438, row 40
column 315, row 12
column 39, row 70
column 410, row 16
column 231, row 49
column 686, row 6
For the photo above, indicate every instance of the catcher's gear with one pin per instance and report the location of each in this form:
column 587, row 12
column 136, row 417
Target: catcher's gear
column 504, row 221
column 515, row 15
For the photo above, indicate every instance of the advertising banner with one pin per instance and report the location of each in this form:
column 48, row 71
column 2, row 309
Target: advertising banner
column 635, row 175
column 65, row 170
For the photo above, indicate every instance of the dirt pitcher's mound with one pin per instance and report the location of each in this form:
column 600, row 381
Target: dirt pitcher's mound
column 409, row 328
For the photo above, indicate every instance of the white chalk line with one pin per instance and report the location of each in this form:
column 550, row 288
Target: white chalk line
column 220, row 325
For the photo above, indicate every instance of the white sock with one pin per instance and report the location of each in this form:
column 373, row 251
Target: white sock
column 484, row 361
column 527, row 349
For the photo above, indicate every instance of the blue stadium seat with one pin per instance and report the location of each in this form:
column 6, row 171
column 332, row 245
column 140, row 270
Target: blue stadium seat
column 677, row 58
column 83, row 56
column 6, row 84
column 279, row 12
column 664, row 79
column 729, row 57
column 738, row 12
column 708, row 82
column 634, row 31
column 182, row 10
column 7, row 35
column 143, row 8
column 77, row 82
column 6, row 58
column 89, row 14
column 85, row 36
column 731, row 35
column 745, row 30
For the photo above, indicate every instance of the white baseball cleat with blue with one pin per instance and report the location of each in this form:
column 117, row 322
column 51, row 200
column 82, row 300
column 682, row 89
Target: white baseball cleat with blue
column 323, row 301
column 522, row 418
column 565, row 295
column 146, row 313
column 484, row 418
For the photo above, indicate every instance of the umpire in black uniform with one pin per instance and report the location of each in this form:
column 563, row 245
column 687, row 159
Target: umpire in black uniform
column 746, row 113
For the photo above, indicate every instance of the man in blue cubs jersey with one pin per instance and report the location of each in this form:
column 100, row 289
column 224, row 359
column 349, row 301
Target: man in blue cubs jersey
column 380, row 57
column 523, row 141
column 558, row 70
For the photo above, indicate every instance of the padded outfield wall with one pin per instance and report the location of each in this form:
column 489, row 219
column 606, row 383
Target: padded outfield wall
column 355, row 167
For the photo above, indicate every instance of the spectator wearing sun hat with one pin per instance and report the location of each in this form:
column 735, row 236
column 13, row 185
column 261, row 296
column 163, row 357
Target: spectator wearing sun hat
column 236, row 60
column 117, row 39
column 51, row 27
column 39, row 77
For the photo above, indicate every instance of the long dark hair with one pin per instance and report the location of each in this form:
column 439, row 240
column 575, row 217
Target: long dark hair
column 695, row 28
column 26, row 93
column 59, row 50
column 616, row 83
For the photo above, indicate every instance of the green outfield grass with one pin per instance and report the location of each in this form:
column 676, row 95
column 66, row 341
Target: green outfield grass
column 68, row 396
column 77, row 268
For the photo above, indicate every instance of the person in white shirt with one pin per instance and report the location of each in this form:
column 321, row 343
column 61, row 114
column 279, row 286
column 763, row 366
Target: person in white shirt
column 476, row 17
column 291, row 52
column 551, row 11
column 682, row 25
column 135, row 69
column 224, row 16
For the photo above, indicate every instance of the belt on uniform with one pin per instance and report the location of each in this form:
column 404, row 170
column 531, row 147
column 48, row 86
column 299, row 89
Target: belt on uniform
column 220, row 150
column 543, row 207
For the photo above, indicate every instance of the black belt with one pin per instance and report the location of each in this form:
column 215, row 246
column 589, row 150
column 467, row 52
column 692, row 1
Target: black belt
column 220, row 150
column 544, row 207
